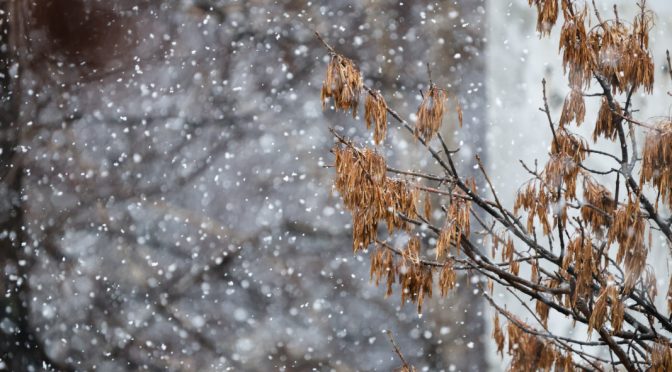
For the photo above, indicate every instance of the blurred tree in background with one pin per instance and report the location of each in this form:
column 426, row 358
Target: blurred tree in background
column 162, row 202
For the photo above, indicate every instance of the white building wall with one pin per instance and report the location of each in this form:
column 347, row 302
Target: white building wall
column 517, row 62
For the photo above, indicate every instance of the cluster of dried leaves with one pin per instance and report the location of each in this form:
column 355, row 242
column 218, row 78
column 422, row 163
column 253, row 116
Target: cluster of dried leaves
column 587, row 234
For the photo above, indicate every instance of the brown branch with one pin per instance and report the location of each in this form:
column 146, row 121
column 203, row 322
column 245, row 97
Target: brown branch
column 397, row 350
column 669, row 64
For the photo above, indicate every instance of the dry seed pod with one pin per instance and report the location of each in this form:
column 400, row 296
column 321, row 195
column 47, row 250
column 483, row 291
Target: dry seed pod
column 599, row 315
column 580, row 253
column 627, row 229
column 611, row 55
column 498, row 335
column 427, row 207
column 661, row 357
column 447, row 278
column 343, row 83
column 569, row 144
column 370, row 195
column 536, row 201
column 458, row 108
column 607, row 122
column 360, row 179
column 430, row 113
column 542, row 310
column 564, row 362
column 528, row 352
column 398, row 198
column 547, row 15
column 574, row 44
column 657, row 161
column 375, row 114
column 640, row 70
column 598, row 206
column 573, row 109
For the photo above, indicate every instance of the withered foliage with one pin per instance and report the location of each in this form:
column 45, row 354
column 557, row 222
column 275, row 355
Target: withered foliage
column 661, row 356
column 584, row 260
column 547, row 15
column 597, row 209
column 628, row 230
column 608, row 121
column 576, row 241
column 343, row 83
column 456, row 225
column 574, row 108
column 577, row 59
column 498, row 335
column 430, row 113
column 460, row 114
column 369, row 194
column 528, row 351
column 406, row 268
column 447, row 278
column 607, row 305
column 657, row 160
column 375, row 115
column 531, row 353
column 621, row 53
column 540, row 197
column 569, row 144
column 537, row 203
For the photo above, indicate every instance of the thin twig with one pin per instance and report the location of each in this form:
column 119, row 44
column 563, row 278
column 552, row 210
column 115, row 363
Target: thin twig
column 397, row 350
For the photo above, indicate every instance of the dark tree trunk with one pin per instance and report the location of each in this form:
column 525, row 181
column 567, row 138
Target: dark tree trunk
column 19, row 348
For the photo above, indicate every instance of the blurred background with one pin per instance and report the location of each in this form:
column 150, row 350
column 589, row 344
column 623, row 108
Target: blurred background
column 164, row 204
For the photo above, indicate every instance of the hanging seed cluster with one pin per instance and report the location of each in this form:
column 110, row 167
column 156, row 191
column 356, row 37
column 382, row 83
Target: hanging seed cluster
column 627, row 230
column 372, row 198
column 616, row 51
column 547, row 15
column 430, row 113
column 573, row 109
column 343, row 83
column 657, row 161
column 608, row 306
column 561, row 171
column 527, row 351
column 457, row 225
column 622, row 54
column 577, row 57
column 375, row 116
column 569, row 144
column 585, row 260
column 661, row 357
column 415, row 279
column 598, row 206
column 370, row 195
column 608, row 121
column 536, row 201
